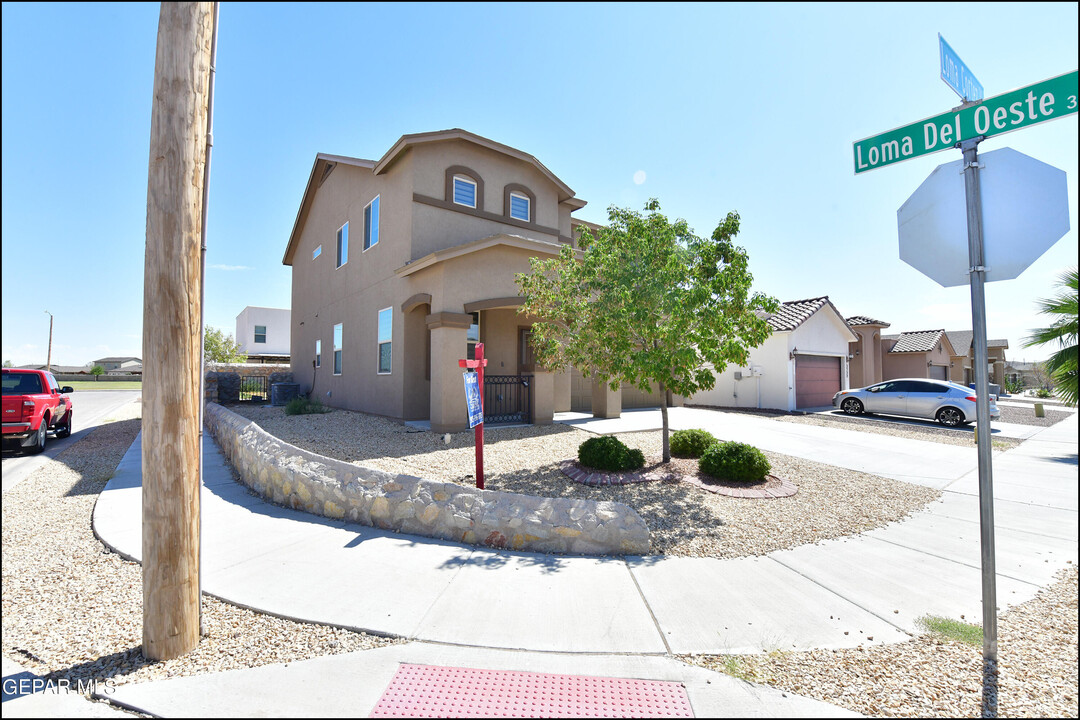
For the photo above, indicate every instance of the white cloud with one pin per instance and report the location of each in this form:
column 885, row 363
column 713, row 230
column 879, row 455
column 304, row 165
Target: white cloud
column 639, row 177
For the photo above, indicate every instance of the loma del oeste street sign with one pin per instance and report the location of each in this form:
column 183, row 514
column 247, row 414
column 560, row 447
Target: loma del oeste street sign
column 1043, row 101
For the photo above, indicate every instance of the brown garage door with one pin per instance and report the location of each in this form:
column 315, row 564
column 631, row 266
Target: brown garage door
column 817, row 379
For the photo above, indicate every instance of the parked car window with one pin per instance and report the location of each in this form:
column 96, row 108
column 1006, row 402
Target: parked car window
column 21, row 384
column 928, row 387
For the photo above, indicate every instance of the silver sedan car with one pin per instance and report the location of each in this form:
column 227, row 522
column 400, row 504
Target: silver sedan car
column 948, row 403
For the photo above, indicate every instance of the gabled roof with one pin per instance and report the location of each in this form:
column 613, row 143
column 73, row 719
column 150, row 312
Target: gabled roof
column 864, row 320
column 517, row 241
column 794, row 313
column 920, row 341
column 116, row 359
column 325, row 163
column 962, row 339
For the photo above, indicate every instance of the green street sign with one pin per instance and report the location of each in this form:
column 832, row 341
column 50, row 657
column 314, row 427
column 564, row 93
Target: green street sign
column 1046, row 100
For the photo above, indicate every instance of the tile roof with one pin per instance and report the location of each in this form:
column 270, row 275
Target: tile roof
column 794, row 313
column 918, row 341
column 864, row 320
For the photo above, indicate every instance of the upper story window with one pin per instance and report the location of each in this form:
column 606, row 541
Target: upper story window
column 464, row 191
column 520, row 206
column 371, row 223
column 343, row 245
column 260, row 333
column 316, row 252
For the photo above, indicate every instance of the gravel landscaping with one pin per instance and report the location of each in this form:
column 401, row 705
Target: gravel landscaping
column 933, row 677
column 683, row 519
column 1026, row 416
column 72, row 609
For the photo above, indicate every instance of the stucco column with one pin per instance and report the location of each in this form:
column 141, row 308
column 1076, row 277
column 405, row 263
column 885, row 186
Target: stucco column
column 448, row 345
column 543, row 397
column 606, row 403
column 998, row 374
column 562, row 391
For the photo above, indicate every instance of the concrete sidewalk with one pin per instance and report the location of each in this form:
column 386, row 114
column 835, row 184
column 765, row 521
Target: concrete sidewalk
column 838, row 593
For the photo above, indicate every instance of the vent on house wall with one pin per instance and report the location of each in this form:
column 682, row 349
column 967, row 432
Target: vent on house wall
column 326, row 173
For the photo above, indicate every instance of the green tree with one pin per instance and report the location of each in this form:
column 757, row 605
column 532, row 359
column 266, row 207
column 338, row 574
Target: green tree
column 1062, row 365
column 647, row 302
column 221, row 348
column 97, row 370
column 8, row 363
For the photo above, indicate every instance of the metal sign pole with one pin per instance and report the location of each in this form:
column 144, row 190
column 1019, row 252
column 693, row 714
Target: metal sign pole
column 982, row 414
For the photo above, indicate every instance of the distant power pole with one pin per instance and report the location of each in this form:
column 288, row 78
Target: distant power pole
column 48, row 361
column 171, row 330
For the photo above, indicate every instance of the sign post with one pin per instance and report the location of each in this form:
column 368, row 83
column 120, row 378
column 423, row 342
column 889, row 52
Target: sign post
column 964, row 128
column 474, row 397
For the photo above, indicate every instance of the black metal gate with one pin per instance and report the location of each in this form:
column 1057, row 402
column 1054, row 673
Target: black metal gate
column 507, row 399
column 254, row 388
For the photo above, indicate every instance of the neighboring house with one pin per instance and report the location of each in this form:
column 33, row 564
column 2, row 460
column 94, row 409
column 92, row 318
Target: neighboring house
column 866, row 353
column 120, row 365
column 802, row 364
column 918, row 354
column 1025, row 372
column 263, row 334
column 59, row 369
column 401, row 264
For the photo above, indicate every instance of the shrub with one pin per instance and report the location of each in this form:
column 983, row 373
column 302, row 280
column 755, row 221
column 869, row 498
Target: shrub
column 303, row 406
column 609, row 453
column 1042, row 393
column 734, row 461
column 690, row 443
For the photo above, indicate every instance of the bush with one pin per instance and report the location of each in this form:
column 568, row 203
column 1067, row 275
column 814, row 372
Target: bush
column 690, row 443
column 734, row 461
column 1042, row 393
column 303, row 406
column 609, row 453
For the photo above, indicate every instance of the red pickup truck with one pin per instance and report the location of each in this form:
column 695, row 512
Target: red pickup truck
column 33, row 405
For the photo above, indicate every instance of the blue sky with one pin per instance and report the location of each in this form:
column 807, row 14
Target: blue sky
column 752, row 108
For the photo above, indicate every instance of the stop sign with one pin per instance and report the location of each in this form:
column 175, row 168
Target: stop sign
column 1025, row 207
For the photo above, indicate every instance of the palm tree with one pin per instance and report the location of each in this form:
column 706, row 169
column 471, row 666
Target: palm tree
column 1062, row 364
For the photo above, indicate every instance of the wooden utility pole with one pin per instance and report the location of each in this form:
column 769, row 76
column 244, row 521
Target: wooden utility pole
column 171, row 334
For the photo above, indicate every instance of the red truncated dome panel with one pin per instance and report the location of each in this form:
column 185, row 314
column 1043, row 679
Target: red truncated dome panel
column 430, row 691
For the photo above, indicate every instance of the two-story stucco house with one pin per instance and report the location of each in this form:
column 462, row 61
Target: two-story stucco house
column 401, row 264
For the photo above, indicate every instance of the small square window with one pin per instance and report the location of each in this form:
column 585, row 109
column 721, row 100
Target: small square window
column 260, row 333
column 464, row 191
column 519, row 206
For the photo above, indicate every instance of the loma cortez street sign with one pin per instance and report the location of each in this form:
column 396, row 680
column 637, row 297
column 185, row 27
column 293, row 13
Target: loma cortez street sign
column 1046, row 100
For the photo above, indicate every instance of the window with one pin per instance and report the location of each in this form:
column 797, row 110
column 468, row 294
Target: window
column 519, row 206
column 371, row 223
column 318, row 353
column 337, row 349
column 260, row 333
column 472, row 336
column 464, row 191
column 316, row 252
column 386, row 332
column 343, row 245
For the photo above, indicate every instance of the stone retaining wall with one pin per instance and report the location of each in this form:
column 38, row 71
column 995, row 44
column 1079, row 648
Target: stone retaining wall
column 290, row 476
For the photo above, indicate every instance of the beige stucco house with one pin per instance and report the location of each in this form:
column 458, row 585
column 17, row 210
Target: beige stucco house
column 866, row 353
column 917, row 354
column 401, row 264
column 802, row 364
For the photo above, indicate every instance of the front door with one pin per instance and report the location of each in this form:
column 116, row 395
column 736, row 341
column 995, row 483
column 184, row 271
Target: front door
column 526, row 359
